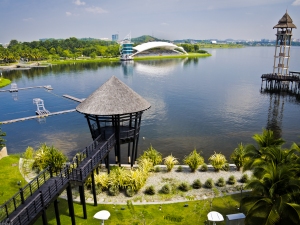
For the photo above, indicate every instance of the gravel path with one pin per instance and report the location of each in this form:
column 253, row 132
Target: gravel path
column 158, row 179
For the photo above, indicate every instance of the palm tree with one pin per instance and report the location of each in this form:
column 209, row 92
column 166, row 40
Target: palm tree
column 266, row 142
column 275, row 195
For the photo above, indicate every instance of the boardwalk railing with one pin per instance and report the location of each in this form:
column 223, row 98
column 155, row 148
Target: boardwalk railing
column 77, row 170
column 102, row 152
column 19, row 198
column 281, row 77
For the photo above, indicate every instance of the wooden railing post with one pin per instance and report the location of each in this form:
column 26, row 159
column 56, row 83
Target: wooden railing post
column 22, row 195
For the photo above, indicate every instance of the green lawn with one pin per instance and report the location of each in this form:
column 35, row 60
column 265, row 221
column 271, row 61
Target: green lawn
column 4, row 82
column 9, row 177
column 177, row 213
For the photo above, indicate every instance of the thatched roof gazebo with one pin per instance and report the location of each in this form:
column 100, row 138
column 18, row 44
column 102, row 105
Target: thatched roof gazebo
column 115, row 109
column 285, row 22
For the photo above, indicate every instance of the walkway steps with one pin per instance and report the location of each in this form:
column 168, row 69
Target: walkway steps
column 34, row 202
column 37, row 116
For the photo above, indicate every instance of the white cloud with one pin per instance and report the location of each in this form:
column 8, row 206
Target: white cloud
column 164, row 24
column 296, row 2
column 27, row 19
column 68, row 13
column 78, row 2
column 95, row 10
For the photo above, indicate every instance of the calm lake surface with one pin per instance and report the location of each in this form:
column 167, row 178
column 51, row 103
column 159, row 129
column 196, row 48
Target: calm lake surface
column 210, row 104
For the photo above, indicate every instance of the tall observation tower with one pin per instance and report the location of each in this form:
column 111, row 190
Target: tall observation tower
column 281, row 78
column 283, row 45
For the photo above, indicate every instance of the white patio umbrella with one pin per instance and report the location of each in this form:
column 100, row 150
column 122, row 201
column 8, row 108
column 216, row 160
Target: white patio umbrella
column 215, row 217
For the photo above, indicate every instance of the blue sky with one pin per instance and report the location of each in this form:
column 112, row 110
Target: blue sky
column 28, row 20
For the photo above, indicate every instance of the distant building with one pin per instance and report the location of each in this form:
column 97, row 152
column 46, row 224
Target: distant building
column 213, row 42
column 265, row 40
column 104, row 39
column 115, row 37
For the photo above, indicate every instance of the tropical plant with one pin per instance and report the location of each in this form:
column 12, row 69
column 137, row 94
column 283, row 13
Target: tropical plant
column 113, row 190
column 231, row 180
column 209, row 183
column 170, row 162
column 48, row 156
column 221, row 182
column 137, row 179
column 226, row 167
column 204, row 167
column 238, row 156
column 275, row 195
column 150, row 190
column 145, row 165
column 193, row 160
column 130, row 192
column 197, row 184
column 184, row 186
column 153, row 155
column 157, row 169
column 119, row 177
column 179, row 169
column 266, row 142
column 102, row 180
column 244, row 178
column 29, row 153
column 166, row 189
column 217, row 160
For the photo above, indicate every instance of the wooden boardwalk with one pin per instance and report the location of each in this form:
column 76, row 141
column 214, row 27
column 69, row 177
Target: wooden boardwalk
column 37, row 116
column 32, row 201
column 48, row 87
column 73, row 98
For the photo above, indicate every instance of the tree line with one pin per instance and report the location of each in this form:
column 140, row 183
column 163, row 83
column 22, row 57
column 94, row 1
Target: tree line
column 71, row 48
column 54, row 49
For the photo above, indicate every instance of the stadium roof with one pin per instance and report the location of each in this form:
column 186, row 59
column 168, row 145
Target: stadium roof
column 157, row 44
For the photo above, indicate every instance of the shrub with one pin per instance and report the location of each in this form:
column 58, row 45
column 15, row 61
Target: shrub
column 170, row 161
column 197, row 184
column 157, row 169
column 221, row 182
column 48, row 156
column 145, row 165
column 193, row 160
column 130, row 192
column 113, row 190
column 217, row 160
column 153, row 155
column 238, row 156
column 209, row 183
column 102, row 180
column 231, row 180
column 244, row 178
column 119, row 177
column 226, row 167
column 166, row 189
column 204, row 167
column 29, row 153
column 137, row 179
column 150, row 190
column 179, row 169
column 184, row 186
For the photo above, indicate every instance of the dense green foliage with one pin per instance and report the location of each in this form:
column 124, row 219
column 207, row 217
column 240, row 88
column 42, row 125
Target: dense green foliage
column 275, row 196
column 194, row 160
column 53, row 49
column 170, row 161
column 46, row 156
column 2, row 140
column 238, row 156
column 218, row 161
column 153, row 155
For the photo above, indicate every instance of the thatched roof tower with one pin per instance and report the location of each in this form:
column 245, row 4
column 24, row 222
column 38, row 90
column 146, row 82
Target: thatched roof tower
column 113, row 98
column 114, row 111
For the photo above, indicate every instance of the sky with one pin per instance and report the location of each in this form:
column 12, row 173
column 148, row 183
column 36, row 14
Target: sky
column 29, row 20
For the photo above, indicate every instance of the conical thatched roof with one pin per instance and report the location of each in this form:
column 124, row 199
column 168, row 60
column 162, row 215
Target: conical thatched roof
column 113, row 98
column 285, row 22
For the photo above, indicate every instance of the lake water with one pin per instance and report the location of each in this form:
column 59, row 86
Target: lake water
column 210, row 104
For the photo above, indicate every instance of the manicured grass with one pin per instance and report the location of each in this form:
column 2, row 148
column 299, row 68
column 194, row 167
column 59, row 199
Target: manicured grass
column 9, row 177
column 190, row 55
column 4, row 82
column 177, row 213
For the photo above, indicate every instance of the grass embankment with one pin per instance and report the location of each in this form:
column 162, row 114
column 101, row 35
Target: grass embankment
column 9, row 177
column 195, row 212
column 206, row 45
column 4, row 82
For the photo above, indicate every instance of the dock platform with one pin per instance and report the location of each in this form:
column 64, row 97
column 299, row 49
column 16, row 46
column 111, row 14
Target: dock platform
column 48, row 87
column 74, row 98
